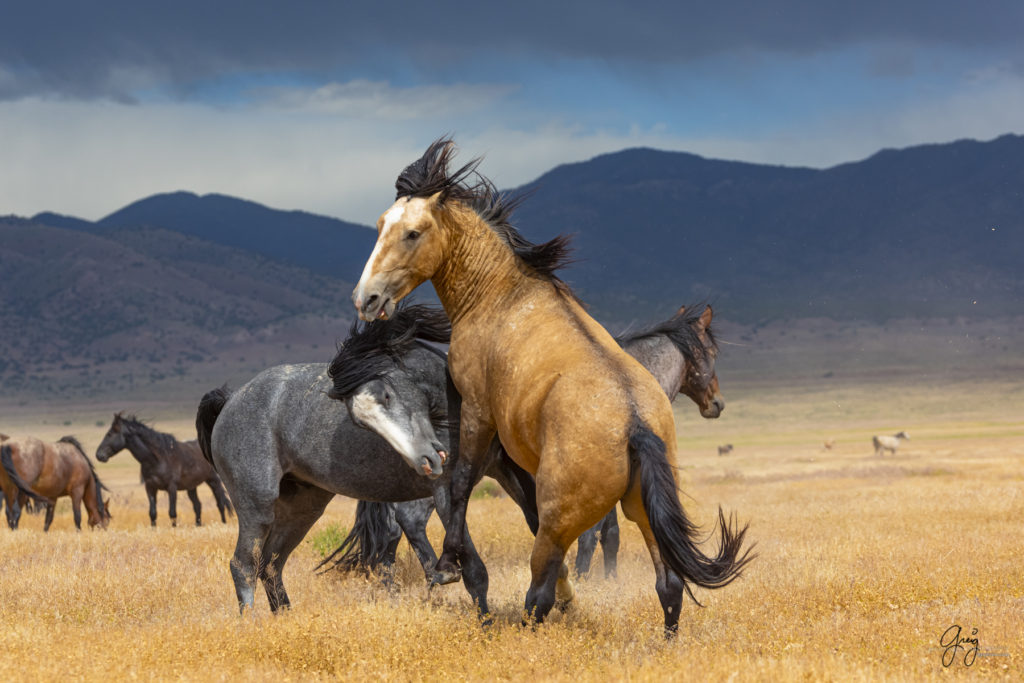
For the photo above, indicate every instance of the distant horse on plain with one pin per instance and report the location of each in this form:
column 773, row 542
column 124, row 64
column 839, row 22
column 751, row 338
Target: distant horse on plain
column 167, row 465
column 725, row 450
column 888, row 443
column 375, row 425
column 680, row 352
column 569, row 405
column 44, row 472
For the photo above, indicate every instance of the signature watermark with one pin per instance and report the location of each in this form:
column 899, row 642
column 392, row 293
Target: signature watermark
column 959, row 645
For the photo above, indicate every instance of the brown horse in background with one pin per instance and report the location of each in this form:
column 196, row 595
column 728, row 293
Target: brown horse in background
column 46, row 471
column 570, row 406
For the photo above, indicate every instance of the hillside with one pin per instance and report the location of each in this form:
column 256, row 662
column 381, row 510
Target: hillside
column 82, row 310
column 936, row 230
column 213, row 288
column 322, row 244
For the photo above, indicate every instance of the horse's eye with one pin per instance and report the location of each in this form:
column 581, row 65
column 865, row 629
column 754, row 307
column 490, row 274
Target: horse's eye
column 387, row 400
column 412, row 235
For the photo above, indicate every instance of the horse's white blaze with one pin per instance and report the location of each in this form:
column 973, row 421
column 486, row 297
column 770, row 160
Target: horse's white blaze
column 393, row 215
column 371, row 413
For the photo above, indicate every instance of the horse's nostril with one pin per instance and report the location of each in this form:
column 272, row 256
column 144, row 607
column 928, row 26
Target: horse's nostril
column 370, row 301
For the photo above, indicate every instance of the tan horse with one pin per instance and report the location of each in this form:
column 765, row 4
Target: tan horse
column 570, row 406
column 47, row 471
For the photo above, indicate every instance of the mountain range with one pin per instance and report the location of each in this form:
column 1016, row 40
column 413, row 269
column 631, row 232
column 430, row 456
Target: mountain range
column 928, row 231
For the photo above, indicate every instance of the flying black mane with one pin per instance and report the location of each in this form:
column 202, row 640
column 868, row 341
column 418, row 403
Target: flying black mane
column 429, row 175
column 373, row 349
column 680, row 329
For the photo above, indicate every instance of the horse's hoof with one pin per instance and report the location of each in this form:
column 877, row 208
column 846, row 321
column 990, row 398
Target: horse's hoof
column 564, row 592
column 445, row 575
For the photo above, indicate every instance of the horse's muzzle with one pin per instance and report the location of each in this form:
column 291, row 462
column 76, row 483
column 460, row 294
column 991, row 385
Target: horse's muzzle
column 714, row 409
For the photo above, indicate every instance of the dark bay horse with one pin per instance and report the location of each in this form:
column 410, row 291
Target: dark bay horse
column 167, row 465
column 46, row 471
column 680, row 352
column 569, row 405
column 284, row 446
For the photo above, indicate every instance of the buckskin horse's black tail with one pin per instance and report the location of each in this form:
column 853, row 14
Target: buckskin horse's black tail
column 368, row 545
column 209, row 409
column 7, row 459
column 675, row 533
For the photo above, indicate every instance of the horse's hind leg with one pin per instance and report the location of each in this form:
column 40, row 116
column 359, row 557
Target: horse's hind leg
column 255, row 520
column 412, row 518
column 610, row 543
column 172, row 504
column 220, row 496
column 585, row 549
column 668, row 584
column 196, row 505
column 295, row 512
column 13, row 511
column 549, row 572
column 49, row 516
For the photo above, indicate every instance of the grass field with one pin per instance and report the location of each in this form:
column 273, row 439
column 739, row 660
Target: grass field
column 864, row 563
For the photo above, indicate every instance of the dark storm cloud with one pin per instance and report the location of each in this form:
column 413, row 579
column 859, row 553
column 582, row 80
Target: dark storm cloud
column 119, row 47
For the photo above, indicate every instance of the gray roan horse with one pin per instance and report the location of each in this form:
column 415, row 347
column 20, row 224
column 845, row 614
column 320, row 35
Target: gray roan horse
column 680, row 352
column 284, row 446
column 167, row 465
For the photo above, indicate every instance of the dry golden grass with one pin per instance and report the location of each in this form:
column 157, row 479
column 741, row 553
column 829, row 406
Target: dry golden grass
column 863, row 564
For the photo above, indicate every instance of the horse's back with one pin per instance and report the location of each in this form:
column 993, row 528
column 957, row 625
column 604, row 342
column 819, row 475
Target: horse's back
column 29, row 456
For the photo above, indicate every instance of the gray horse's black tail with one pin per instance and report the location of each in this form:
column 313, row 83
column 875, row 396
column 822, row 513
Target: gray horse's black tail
column 368, row 545
column 7, row 459
column 209, row 409
column 675, row 533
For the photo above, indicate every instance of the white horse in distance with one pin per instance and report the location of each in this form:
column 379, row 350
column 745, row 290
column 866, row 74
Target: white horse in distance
column 888, row 443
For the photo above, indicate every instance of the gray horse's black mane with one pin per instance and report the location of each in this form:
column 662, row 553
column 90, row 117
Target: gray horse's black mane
column 680, row 331
column 373, row 349
column 429, row 175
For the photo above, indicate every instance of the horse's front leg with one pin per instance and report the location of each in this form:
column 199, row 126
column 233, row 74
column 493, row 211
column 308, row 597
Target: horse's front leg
column 474, row 573
column 475, row 436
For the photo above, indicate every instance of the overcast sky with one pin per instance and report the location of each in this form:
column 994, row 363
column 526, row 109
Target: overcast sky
column 315, row 106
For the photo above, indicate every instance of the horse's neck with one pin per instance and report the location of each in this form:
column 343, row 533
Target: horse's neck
column 479, row 267
column 663, row 359
column 139, row 442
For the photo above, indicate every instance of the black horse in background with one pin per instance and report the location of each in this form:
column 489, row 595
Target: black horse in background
column 167, row 465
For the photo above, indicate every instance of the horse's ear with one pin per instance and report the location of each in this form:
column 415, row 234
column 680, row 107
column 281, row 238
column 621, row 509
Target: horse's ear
column 435, row 200
column 682, row 309
column 705, row 317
